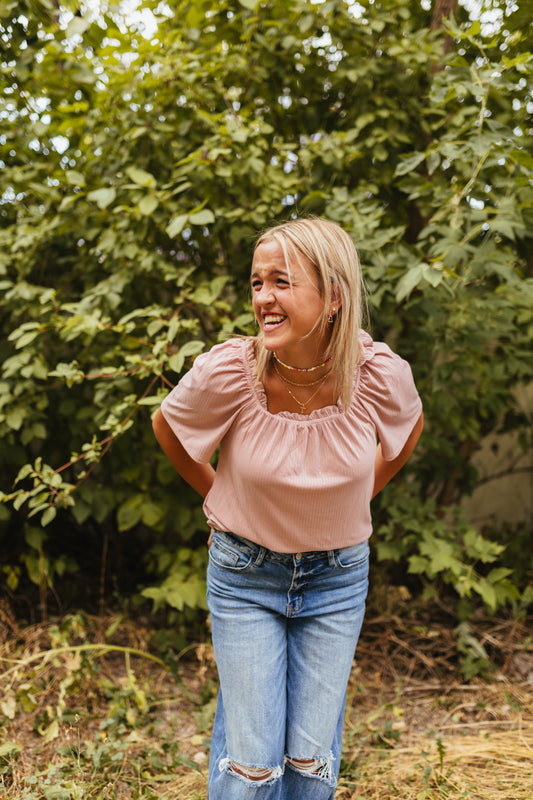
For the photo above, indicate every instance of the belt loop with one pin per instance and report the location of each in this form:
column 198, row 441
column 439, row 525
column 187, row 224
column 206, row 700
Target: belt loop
column 260, row 557
column 331, row 557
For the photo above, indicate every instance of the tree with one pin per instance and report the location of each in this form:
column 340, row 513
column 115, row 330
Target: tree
column 137, row 170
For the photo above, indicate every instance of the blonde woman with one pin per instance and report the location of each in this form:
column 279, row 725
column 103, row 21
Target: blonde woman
column 313, row 418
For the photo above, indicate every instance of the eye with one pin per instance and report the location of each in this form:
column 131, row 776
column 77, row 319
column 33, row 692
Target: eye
column 256, row 284
column 282, row 282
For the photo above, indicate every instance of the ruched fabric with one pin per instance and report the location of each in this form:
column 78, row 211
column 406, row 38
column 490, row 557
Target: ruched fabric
column 287, row 481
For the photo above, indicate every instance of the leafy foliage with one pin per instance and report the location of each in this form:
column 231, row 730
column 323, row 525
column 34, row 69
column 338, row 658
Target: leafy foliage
column 137, row 169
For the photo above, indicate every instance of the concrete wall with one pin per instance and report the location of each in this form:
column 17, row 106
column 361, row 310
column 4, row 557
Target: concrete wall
column 504, row 497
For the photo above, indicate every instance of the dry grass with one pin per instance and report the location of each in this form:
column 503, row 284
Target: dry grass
column 112, row 724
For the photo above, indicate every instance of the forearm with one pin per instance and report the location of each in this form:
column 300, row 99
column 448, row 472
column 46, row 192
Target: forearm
column 199, row 476
column 384, row 470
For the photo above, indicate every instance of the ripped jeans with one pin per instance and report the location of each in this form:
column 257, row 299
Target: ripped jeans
column 285, row 628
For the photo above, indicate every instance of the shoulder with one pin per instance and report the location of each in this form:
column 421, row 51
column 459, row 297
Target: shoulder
column 217, row 381
column 228, row 359
column 220, row 375
column 382, row 371
column 377, row 358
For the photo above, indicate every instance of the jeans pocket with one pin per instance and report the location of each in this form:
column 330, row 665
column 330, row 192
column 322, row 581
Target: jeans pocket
column 353, row 556
column 229, row 552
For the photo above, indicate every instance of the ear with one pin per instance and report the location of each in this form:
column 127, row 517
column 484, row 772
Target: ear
column 336, row 299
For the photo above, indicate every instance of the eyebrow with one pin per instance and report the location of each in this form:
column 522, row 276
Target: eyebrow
column 271, row 272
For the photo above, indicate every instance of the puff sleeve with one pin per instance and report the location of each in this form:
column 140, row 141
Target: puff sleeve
column 202, row 407
column 390, row 397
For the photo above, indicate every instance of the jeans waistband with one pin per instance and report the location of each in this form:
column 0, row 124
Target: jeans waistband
column 263, row 553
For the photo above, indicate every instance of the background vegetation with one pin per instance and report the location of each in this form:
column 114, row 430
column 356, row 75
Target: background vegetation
column 139, row 162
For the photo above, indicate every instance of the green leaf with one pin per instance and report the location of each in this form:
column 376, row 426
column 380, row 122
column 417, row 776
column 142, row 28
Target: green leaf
column 35, row 538
column 203, row 217
column 26, row 338
column 102, row 197
column 152, row 514
column 9, row 748
column 488, row 593
column 152, row 400
column 129, row 513
column 250, row 4
column 148, row 204
column 522, row 157
column 433, row 161
column 432, row 275
column 15, row 417
column 48, row 516
column 409, row 281
column 75, row 178
column 51, row 732
column 77, row 26
column 176, row 225
column 191, row 348
column 141, row 177
column 498, row 574
column 409, row 164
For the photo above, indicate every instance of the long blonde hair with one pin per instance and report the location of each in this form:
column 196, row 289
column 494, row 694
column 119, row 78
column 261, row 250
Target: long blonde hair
column 334, row 258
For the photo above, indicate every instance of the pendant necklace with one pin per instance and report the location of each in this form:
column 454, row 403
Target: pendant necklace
column 303, row 406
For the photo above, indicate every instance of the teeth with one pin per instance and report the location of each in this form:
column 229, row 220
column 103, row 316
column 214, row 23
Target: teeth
column 273, row 320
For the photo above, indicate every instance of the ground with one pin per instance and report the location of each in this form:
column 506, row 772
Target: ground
column 90, row 711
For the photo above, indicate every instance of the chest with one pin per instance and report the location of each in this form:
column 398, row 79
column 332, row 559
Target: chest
column 297, row 398
column 265, row 449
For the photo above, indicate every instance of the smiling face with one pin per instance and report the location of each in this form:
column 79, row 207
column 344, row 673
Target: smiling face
column 288, row 307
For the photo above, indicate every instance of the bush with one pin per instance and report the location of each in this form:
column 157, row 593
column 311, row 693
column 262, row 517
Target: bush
column 137, row 169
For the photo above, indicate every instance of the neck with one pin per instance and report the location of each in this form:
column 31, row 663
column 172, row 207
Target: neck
column 298, row 369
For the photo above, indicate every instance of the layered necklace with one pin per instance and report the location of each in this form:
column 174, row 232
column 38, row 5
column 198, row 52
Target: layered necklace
column 286, row 381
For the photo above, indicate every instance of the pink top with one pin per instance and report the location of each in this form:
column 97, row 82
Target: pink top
column 287, row 481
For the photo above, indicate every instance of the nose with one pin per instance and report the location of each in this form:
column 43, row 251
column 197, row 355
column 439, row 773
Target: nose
column 265, row 295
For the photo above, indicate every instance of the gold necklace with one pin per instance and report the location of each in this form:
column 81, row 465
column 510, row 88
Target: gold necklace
column 293, row 383
column 303, row 406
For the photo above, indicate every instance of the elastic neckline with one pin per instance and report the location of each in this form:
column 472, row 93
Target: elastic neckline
column 258, row 393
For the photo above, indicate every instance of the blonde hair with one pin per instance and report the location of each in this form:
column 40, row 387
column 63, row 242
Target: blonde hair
column 334, row 258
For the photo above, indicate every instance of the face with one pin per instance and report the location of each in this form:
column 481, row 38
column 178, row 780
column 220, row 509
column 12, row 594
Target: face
column 288, row 309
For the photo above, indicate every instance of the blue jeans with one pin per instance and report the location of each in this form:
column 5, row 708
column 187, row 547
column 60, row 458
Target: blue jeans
column 285, row 628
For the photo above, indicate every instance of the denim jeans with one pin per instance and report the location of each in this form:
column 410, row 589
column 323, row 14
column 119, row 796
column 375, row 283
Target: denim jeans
column 284, row 628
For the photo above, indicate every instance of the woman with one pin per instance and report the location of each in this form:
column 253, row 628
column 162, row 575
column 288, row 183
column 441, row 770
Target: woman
column 313, row 418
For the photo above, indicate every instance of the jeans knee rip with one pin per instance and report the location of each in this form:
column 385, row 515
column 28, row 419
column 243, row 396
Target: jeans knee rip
column 319, row 767
column 257, row 776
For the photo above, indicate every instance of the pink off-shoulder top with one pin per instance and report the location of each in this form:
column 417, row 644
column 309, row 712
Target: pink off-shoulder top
column 287, row 481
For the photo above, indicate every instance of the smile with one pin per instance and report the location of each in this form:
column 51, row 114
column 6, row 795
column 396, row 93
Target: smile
column 272, row 321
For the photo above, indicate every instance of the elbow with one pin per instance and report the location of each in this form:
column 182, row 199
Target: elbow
column 158, row 424
column 412, row 441
column 420, row 425
column 415, row 434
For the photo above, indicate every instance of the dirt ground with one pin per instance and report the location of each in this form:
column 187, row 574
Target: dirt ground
column 415, row 729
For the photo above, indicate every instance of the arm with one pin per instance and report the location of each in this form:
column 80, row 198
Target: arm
column 199, row 476
column 385, row 470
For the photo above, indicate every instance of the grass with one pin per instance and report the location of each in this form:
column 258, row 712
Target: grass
column 90, row 713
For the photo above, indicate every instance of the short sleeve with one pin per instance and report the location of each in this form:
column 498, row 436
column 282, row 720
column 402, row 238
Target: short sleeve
column 389, row 394
column 202, row 407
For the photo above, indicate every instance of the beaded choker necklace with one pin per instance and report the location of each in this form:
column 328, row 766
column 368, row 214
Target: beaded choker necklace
column 301, row 369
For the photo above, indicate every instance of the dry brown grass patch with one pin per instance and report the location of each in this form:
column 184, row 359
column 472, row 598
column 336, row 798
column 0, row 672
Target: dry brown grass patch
column 414, row 728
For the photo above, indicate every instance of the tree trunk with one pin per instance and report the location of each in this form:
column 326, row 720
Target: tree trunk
column 442, row 10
